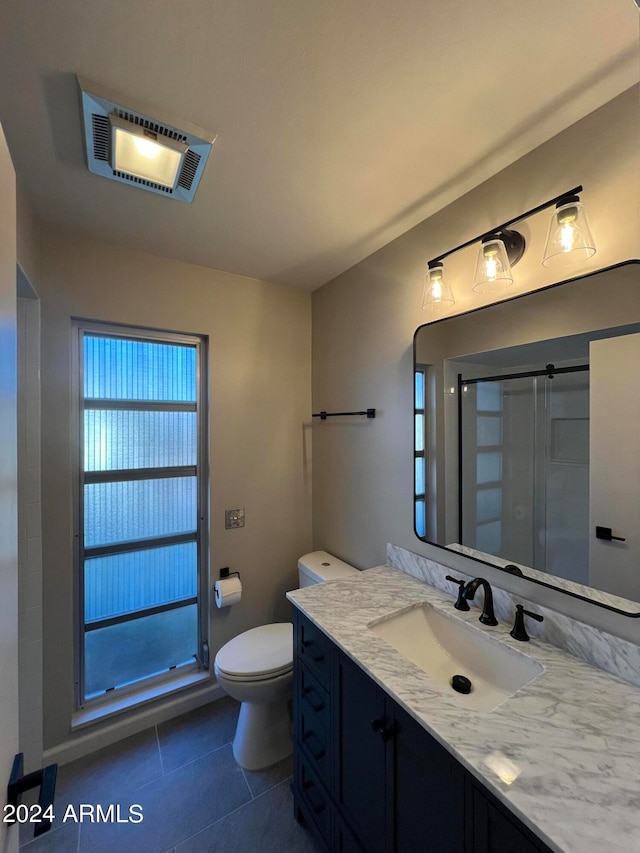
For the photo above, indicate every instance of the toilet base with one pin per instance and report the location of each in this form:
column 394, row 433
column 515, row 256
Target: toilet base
column 263, row 734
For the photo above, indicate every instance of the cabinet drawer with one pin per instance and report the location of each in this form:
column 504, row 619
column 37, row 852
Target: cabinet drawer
column 313, row 798
column 312, row 724
column 313, row 648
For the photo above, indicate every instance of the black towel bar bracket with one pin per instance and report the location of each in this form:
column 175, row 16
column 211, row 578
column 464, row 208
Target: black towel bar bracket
column 19, row 782
column 370, row 413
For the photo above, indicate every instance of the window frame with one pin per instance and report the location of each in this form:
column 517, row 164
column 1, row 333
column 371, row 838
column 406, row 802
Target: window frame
column 424, row 455
column 80, row 328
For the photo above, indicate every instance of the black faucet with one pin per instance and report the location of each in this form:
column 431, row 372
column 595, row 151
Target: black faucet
column 461, row 603
column 488, row 617
column 519, row 632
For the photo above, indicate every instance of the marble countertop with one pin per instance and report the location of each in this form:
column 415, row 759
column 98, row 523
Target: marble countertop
column 571, row 737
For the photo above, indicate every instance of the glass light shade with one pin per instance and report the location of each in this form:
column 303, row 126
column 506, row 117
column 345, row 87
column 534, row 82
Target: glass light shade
column 493, row 271
column 569, row 240
column 437, row 292
column 141, row 153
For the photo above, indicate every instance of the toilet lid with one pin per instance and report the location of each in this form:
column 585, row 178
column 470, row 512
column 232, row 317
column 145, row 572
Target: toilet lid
column 266, row 650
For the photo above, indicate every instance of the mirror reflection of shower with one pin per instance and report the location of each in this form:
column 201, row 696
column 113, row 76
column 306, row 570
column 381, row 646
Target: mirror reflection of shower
column 524, row 466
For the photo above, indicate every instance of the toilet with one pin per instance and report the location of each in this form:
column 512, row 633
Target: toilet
column 256, row 668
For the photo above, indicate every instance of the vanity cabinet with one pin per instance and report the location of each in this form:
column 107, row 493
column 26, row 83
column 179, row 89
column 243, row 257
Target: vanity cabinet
column 369, row 779
column 395, row 785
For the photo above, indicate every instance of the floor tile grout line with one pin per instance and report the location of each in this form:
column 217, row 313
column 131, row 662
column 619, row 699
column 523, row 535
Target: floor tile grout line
column 159, row 749
column 244, row 776
column 166, row 773
column 233, row 811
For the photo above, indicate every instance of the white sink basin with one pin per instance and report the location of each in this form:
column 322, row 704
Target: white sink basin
column 444, row 646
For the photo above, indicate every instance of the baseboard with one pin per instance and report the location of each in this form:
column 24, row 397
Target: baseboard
column 130, row 724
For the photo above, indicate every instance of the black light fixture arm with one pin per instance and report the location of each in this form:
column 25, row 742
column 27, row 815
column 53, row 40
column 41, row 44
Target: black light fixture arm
column 505, row 225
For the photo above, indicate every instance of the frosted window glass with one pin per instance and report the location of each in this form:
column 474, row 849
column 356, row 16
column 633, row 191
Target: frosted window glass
column 489, row 430
column 419, row 432
column 122, row 583
column 115, row 440
column 488, row 468
column 139, row 509
column 489, row 396
column 419, row 390
column 127, row 652
column 420, row 476
column 488, row 504
column 421, row 526
column 124, row 369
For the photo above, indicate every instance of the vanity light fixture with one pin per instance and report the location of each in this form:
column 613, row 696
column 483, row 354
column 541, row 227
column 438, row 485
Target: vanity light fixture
column 498, row 253
column 569, row 241
column 437, row 292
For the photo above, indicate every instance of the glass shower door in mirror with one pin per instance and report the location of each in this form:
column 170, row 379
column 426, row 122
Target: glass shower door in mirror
column 524, row 468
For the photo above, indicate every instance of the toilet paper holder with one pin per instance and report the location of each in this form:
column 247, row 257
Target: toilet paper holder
column 225, row 573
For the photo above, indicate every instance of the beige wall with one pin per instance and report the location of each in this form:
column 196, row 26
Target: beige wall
column 259, row 337
column 364, row 321
column 28, row 241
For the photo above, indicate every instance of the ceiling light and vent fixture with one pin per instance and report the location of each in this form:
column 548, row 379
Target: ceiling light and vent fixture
column 124, row 143
column 569, row 241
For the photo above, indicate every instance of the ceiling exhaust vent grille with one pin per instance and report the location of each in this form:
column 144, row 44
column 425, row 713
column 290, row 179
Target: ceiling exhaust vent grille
column 100, row 126
column 98, row 104
column 189, row 170
column 143, row 182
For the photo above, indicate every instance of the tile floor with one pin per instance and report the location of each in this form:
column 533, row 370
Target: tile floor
column 194, row 797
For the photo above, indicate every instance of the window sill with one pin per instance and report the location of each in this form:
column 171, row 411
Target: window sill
column 104, row 709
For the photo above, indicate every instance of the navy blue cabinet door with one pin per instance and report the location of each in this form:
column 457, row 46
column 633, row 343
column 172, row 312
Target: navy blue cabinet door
column 359, row 772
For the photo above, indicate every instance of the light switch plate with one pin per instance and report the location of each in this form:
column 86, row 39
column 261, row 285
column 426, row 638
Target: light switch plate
column 233, row 518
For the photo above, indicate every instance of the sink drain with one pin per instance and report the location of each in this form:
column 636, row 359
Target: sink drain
column 461, row 684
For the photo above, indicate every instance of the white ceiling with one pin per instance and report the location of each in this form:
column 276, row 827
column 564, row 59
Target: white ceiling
column 341, row 123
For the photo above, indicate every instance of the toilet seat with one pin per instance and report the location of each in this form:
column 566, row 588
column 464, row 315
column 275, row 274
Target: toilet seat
column 258, row 654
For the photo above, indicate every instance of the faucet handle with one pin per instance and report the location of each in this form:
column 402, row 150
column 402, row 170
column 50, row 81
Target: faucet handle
column 461, row 603
column 519, row 632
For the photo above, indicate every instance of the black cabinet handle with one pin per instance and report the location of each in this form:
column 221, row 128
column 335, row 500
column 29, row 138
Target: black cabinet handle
column 379, row 727
column 319, row 751
column 318, row 705
column 308, row 645
column 319, row 805
column 607, row 534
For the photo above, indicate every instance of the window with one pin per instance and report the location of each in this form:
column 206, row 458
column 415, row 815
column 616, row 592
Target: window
column 141, row 506
column 420, row 503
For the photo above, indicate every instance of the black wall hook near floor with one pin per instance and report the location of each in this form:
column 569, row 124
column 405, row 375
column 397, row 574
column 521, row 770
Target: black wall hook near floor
column 370, row 413
column 45, row 779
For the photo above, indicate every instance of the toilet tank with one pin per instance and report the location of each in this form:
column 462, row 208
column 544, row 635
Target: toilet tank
column 319, row 566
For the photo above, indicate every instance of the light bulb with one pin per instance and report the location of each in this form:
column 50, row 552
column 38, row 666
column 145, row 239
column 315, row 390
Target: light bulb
column 567, row 237
column 436, row 286
column 493, row 271
column 146, row 148
column 567, row 222
column 490, row 265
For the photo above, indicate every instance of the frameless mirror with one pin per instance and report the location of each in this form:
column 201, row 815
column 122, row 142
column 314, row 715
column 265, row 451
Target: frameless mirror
column 527, row 435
